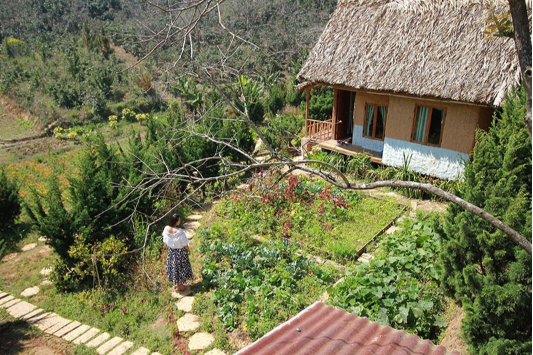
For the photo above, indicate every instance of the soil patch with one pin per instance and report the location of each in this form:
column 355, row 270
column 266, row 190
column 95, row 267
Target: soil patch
column 19, row 338
column 240, row 339
column 161, row 322
column 452, row 339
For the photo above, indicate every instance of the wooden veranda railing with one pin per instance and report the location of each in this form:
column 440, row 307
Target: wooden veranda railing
column 321, row 130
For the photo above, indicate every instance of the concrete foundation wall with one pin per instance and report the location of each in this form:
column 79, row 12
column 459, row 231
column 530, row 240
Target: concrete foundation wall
column 367, row 143
column 434, row 161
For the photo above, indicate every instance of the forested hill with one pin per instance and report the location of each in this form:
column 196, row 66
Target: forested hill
column 281, row 29
column 58, row 60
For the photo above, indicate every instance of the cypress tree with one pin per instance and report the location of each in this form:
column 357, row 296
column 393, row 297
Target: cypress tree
column 9, row 201
column 480, row 266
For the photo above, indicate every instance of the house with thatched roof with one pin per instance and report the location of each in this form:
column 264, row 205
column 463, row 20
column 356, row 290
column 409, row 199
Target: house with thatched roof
column 412, row 80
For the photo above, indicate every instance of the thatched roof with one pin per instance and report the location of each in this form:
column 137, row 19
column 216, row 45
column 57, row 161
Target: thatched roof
column 428, row 48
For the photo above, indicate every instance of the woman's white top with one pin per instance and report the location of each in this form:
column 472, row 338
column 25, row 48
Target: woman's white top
column 176, row 240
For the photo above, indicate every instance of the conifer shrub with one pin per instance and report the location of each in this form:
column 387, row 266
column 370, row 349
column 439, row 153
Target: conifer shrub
column 9, row 201
column 9, row 211
column 480, row 266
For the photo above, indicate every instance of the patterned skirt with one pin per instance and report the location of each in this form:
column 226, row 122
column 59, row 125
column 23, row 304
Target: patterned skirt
column 179, row 268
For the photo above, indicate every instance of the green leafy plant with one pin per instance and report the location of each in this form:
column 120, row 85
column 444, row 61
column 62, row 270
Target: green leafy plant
column 400, row 287
column 257, row 285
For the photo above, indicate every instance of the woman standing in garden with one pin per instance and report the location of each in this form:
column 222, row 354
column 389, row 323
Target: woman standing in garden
column 179, row 268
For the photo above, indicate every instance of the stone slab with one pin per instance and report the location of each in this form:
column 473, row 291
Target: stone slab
column 188, row 322
column 392, row 229
column 10, row 303
column 29, row 246
column 66, row 329
column 48, row 321
column 200, row 341
column 181, row 294
column 86, row 336
column 156, row 354
column 365, row 258
column 189, row 233
column 191, row 225
column 20, row 309
column 215, row 351
column 9, row 256
column 3, row 294
column 108, row 345
column 121, row 349
column 76, row 332
column 38, row 312
column 185, row 304
column 31, row 291
column 141, row 351
column 194, row 217
column 6, row 299
column 46, row 271
column 98, row 340
column 59, row 325
column 46, row 282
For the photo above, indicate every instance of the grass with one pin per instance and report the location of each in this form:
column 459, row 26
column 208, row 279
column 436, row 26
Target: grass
column 13, row 125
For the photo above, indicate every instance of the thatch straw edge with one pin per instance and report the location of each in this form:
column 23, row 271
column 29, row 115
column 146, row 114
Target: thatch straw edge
column 425, row 48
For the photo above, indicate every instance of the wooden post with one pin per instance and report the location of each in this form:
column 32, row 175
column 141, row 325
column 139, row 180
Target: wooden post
column 308, row 95
column 334, row 113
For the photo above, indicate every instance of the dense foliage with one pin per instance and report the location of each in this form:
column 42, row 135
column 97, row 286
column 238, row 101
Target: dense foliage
column 9, row 210
column 481, row 266
column 258, row 285
column 327, row 220
column 90, row 219
column 9, row 200
column 400, row 287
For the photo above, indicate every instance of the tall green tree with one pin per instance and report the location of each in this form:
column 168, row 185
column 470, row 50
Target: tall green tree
column 480, row 266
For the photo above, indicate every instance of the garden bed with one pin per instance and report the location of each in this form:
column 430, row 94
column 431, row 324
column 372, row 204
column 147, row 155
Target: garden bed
column 255, row 286
column 326, row 221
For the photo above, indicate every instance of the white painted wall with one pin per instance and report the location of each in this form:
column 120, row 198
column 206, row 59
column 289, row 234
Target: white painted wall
column 434, row 161
column 367, row 143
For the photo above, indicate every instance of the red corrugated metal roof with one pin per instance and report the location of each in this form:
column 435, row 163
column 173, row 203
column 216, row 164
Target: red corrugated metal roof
column 326, row 330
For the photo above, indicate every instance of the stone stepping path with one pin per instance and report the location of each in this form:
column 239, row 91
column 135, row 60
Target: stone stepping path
column 181, row 294
column 32, row 291
column 185, row 304
column 102, row 342
column 10, row 256
column 189, row 233
column 191, row 225
column 200, row 341
column 365, row 258
column 188, row 322
column 46, row 271
column 71, row 331
column 29, row 246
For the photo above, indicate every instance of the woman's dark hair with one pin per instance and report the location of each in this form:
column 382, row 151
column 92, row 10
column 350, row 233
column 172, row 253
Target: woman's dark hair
column 173, row 219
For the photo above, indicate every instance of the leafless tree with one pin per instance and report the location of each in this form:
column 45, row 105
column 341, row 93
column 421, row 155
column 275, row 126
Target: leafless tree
column 182, row 18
